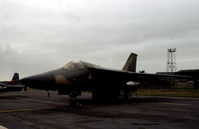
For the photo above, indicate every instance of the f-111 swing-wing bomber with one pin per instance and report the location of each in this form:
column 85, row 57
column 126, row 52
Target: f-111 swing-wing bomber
column 77, row 76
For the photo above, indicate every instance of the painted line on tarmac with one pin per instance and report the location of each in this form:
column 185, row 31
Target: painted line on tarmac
column 21, row 110
column 180, row 104
column 2, row 127
column 48, row 102
column 173, row 109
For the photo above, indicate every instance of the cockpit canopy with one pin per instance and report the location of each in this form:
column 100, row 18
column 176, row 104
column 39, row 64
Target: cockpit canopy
column 78, row 65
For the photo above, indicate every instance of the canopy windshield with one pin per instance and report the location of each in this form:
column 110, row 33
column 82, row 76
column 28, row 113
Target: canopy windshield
column 73, row 65
column 78, row 65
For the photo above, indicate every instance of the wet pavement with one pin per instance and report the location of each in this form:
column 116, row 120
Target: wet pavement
column 34, row 110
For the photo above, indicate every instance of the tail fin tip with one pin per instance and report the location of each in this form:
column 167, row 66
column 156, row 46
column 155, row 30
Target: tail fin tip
column 15, row 78
column 130, row 64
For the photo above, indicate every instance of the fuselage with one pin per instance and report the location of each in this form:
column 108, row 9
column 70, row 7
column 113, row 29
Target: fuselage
column 74, row 75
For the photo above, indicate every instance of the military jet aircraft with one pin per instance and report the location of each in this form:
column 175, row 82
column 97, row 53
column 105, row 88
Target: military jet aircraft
column 77, row 76
column 12, row 85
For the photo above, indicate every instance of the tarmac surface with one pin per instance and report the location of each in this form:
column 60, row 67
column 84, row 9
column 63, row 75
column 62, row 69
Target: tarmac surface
column 34, row 110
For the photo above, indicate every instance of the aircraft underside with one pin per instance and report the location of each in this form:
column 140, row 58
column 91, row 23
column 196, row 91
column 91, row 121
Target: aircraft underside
column 101, row 93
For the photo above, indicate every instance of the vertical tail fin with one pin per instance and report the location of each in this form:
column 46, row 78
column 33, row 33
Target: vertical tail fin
column 130, row 64
column 15, row 79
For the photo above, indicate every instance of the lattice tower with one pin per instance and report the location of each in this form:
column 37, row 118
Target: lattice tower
column 171, row 60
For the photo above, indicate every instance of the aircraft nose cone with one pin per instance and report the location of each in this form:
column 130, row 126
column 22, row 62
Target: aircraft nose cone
column 41, row 81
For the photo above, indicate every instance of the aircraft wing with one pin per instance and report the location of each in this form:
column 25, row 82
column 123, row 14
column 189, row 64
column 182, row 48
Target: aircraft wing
column 8, row 88
column 126, row 76
column 2, row 84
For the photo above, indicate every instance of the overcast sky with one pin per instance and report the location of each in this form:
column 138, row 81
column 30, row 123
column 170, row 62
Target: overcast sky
column 41, row 35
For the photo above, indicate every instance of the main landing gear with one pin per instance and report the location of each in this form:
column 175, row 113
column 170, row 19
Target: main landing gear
column 73, row 99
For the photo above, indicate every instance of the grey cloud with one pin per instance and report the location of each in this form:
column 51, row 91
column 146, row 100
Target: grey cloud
column 36, row 36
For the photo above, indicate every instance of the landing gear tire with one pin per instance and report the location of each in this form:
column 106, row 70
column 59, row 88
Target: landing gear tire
column 74, row 103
